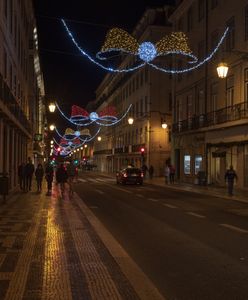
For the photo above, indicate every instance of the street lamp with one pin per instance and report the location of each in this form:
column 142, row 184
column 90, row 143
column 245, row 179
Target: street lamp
column 51, row 142
column 130, row 121
column 52, row 127
column 99, row 139
column 85, row 146
column 222, row 70
column 52, row 107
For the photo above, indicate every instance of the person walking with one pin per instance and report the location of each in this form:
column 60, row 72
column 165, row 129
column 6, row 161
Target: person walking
column 29, row 171
column 49, row 178
column 172, row 173
column 39, row 173
column 61, row 177
column 230, row 176
column 21, row 175
column 151, row 171
column 167, row 174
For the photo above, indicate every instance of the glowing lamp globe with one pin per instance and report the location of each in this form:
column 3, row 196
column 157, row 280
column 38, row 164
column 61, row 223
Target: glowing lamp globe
column 52, row 127
column 147, row 51
column 164, row 125
column 93, row 116
column 222, row 70
column 77, row 133
column 52, row 107
column 130, row 121
column 99, row 139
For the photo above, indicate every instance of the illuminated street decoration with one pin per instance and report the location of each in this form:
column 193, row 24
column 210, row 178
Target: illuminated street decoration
column 81, row 117
column 118, row 40
column 70, row 136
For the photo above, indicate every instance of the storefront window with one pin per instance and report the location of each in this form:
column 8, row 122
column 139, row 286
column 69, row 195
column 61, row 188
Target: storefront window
column 186, row 164
column 198, row 163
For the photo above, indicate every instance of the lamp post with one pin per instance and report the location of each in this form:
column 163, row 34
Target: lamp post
column 52, row 127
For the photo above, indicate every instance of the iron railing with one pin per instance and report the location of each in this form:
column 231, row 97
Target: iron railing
column 231, row 113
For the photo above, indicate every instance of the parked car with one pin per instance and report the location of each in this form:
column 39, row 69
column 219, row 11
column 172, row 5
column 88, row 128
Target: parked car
column 130, row 175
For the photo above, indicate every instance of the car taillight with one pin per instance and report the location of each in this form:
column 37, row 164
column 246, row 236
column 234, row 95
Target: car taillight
column 125, row 175
column 142, row 175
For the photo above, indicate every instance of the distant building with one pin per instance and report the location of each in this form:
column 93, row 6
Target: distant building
column 149, row 92
column 210, row 115
column 21, row 88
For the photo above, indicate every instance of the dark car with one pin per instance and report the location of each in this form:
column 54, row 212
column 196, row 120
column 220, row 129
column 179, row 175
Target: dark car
column 129, row 175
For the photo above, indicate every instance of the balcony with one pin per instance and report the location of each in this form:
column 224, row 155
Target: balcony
column 228, row 114
column 10, row 102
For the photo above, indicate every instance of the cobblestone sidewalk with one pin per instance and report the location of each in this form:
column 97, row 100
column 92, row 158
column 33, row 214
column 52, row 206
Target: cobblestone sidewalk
column 50, row 250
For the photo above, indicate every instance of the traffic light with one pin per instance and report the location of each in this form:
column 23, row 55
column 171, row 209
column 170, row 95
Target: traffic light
column 142, row 151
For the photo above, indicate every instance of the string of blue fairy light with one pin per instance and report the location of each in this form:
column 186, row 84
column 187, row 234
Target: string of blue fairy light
column 147, row 52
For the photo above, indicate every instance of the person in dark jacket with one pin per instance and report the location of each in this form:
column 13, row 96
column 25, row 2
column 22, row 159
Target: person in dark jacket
column 29, row 171
column 49, row 178
column 21, row 175
column 230, row 176
column 39, row 173
column 151, row 171
column 61, row 177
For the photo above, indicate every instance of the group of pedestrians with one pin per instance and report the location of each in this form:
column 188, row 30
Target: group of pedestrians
column 26, row 172
column 150, row 170
column 169, row 174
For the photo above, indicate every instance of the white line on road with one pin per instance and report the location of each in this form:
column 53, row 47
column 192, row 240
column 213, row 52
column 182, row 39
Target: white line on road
column 196, row 215
column 234, row 228
column 139, row 195
column 99, row 192
column 152, row 199
column 169, row 205
column 123, row 190
column 82, row 180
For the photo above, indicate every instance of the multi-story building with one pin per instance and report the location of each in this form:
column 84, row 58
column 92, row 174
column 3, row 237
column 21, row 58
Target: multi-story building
column 210, row 130
column 149, row 93
column 21, row 88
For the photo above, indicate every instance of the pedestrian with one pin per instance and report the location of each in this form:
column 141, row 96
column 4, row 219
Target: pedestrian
column 61, row 177
column 172, row 173
column 151, row 170
column 21, row 175
column 144, row 170
column 167, row 174
column 49, row 178
column 229, row 177
column 29, row 171
column 39, row 173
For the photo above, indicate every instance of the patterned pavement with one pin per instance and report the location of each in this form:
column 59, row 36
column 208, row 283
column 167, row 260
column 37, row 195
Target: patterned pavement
column 50, row 250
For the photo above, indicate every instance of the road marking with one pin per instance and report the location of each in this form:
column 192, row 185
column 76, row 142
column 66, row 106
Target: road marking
column 99, row 192
column 234, row 228
column 196, row 215
column 152, row 199
column 139, row 195
column 120, row 189
column 93, row 207
column 169, row 205
column 82, row 180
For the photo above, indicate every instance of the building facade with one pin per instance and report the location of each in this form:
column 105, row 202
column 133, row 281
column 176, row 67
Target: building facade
column 21, row 88
column 148, row 91
column 210, row 115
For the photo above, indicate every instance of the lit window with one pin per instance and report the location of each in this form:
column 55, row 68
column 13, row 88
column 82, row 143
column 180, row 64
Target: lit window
column 187, row 164
column 198, row 164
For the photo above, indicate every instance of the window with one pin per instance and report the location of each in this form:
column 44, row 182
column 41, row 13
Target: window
column 214, row 42
column 230, row 39
column 198, row 163
column 201, row 9
column 200, row 50
column 180, row 24
column 246, row 87
column 214, row 3
column 246, row 23
column 190, row 19
column 200, row 104
column 214, row 97
column 229, row 91
column 187, row 170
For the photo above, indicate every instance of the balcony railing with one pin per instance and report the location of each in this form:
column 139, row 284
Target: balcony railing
column 231, row 113
column 10, row 102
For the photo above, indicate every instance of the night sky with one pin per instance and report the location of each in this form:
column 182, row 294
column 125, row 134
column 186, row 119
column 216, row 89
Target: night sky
column 69, row 77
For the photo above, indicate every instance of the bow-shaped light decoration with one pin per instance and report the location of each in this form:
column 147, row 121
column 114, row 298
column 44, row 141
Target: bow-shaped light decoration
column 119, row 40
column 80, row 117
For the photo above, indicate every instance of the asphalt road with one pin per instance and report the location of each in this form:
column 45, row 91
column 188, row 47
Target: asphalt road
column 191, row 246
